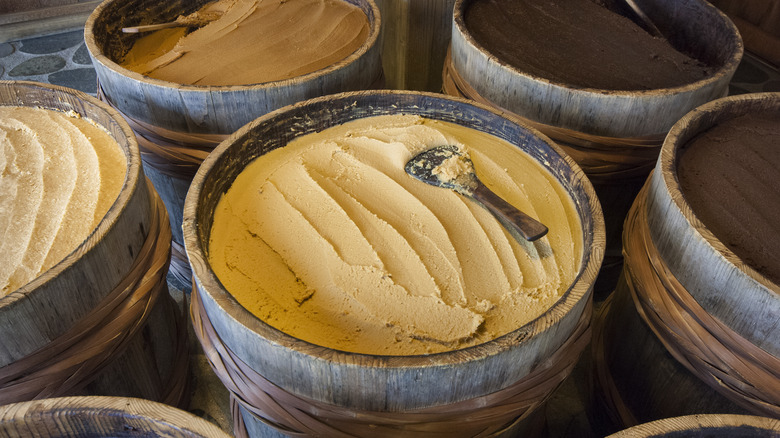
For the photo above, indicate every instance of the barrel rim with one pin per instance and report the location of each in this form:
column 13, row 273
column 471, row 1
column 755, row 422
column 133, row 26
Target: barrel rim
column 726, row 69
column 82, row 409
column 580, row 289
column 129, row 147
column 693, row 123
column 697, row 422
column 100, row 58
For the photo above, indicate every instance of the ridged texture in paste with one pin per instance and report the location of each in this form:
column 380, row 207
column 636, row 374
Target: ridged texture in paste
column 329, row 240
column 255, row 41
column 59, row 174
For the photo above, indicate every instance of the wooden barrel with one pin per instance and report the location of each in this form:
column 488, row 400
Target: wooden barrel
column 101, row 417
column 613, row 135
column 693, row 26
column 414, row 40
column 101, row 321
column 178, row 125
column 700, row 426
column 371, row 387
column 687, row 304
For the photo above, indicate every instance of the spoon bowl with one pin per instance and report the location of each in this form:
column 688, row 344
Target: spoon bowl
column 447, row 167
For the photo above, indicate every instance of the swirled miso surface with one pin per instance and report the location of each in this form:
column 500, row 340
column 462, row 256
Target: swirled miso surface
column 329, row 240
column 59, row 175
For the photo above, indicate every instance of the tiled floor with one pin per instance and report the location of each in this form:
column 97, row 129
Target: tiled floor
column 60, row 59
column 63, row 59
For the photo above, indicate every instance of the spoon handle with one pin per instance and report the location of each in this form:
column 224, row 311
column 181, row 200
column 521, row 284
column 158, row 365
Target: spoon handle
column 528, row 227
column 150, row 27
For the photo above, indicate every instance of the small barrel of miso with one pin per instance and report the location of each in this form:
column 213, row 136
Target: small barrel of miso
column 101, row 321
column 692, row 326
column 709, row 426
column 356, row 386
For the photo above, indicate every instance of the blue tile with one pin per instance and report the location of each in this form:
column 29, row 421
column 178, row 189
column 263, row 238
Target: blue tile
column 82, row 56
column 83, row 79
column 39, row 65
column 6, row 49
column 52, row 43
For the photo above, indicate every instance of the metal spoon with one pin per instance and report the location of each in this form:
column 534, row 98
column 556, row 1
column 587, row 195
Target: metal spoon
column 429, row 167
column 646, row 22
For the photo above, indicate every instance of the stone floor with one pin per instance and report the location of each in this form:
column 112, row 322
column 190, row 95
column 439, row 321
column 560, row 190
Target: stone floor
column 62, row 59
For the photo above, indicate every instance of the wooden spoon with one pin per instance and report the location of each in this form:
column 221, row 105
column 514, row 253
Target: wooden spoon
column 151, row 27
column 429, row 167
column 645, row 20
column 206, row 14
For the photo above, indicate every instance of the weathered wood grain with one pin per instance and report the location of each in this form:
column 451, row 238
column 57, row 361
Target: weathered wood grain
column 101, row 417
column 414, row 39
column 700, row 426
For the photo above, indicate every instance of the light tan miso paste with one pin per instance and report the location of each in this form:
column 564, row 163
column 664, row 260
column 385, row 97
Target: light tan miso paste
column 252, row 42
column 59, row 175
column 329, row 240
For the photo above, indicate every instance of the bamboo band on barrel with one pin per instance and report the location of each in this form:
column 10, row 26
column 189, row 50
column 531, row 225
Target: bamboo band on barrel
column 607, row 393
column 180, row 264
column 727, row 362
column 295, row 415
column 604, row 159
column 73, row 360
column 172, row 153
